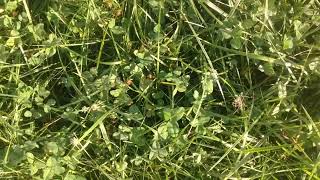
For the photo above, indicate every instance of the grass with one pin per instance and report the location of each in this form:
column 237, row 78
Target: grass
column 157, row 89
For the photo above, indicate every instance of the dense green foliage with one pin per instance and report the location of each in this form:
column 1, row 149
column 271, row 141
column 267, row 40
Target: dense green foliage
column 159, row 89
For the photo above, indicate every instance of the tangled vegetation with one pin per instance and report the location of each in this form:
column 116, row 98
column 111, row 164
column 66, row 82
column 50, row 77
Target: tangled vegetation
column 159, row 89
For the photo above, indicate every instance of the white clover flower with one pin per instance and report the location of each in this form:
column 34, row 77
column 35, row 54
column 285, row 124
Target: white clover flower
column 75, row 141
column 97, row 106
column 85, row 109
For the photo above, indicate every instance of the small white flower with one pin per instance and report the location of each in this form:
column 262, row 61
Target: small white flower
column 97, row 106
column 75, row 141
column 85, row 109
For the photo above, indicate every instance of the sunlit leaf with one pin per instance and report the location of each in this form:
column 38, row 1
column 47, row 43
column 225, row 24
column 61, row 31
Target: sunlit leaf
column 27, row 114
column 236, row 42
column 287, row 42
